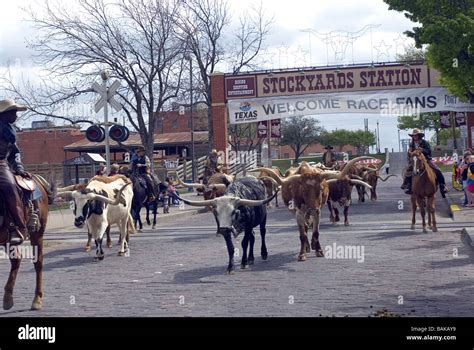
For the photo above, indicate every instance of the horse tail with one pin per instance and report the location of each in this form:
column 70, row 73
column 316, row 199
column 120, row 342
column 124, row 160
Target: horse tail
column 130, row 225
column 50, row 189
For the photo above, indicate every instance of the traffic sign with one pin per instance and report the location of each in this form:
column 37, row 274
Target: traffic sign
column 107, row 95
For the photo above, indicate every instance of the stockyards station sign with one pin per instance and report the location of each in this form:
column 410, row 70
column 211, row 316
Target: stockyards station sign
column 388, row 89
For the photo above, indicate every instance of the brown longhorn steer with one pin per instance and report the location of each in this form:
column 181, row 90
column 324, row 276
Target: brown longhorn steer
column 372, row 180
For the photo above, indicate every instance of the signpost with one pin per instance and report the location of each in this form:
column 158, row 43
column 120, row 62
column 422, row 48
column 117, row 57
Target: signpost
column 107, row 97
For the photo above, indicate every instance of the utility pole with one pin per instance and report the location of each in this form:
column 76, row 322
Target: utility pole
column 453, row 128
column 378, row 137
column 399, row 147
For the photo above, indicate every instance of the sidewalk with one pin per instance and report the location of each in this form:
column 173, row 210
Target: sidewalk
column 64, row 219
column 455, row 200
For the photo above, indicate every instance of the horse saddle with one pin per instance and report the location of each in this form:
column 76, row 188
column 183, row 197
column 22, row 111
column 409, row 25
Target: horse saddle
column 25, row 183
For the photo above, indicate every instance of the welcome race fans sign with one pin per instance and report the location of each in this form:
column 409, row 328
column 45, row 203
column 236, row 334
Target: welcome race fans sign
column 393, row 102
column 392, row 89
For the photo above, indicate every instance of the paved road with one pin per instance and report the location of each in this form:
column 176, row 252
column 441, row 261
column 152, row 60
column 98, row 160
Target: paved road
column 178, row 270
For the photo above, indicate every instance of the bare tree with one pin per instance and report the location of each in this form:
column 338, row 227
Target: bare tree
column 244, row 136
column 203, row 25
column 134, row 40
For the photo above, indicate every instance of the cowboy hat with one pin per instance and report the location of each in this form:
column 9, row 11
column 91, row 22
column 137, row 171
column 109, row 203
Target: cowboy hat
column 417, row 131
column 9, row 105
column 140, row 148
column 329, row 147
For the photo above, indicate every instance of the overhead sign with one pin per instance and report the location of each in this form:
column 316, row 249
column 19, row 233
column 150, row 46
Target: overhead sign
column 242, row 86
column 389, row 102
column 445, row 119
column 275, row 129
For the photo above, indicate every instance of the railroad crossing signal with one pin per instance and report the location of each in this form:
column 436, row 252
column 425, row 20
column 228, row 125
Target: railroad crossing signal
column 107, row 95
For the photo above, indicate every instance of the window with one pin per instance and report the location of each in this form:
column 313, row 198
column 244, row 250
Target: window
column 174, row 123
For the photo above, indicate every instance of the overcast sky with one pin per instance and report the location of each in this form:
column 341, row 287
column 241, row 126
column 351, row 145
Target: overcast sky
column 288, row 45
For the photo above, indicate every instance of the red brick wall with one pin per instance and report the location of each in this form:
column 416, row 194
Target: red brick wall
column 173, row 122
column 40, row 146
column 219, row 112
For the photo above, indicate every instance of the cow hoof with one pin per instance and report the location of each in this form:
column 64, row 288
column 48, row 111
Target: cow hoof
column 265, row 256
column 7, row 301
column 251, row 262
column 435, row 229
column 99, row 258
column 229, row 272
column 243, row 266
column 425, row 230
column 412, row 227
column 121, row 253
column 37, row 304
column 337, row 219
column 320, row 254
column 346, row 224
column 87, row 248
column 153, row 227
column 302, row 258
column 109, row 244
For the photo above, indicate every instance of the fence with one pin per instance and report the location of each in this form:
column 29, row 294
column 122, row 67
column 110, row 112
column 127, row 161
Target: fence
column 237, row 165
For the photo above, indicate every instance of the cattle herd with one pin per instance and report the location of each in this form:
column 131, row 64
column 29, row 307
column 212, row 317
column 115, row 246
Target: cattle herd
column 237, row 204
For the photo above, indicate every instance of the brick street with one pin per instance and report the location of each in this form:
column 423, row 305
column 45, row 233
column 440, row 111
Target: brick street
column 178, row 269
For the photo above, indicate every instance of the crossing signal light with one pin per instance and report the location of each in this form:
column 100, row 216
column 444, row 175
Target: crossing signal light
column 95, row 133
column 119, row 133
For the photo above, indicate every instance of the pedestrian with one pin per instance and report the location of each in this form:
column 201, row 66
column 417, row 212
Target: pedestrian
column 114, row 169
column 470, row 182
column 387, row 168
column 100, row 171
column 464, row 169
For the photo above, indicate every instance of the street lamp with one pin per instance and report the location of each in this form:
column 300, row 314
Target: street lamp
column 193, row 168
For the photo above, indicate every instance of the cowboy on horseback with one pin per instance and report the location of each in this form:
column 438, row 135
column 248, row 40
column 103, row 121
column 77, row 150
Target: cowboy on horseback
column 141, row 166
column 213, row 165
column 10, row 164
column 419, row 143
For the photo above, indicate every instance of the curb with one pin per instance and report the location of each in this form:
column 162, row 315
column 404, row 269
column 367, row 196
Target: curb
column 467, row 236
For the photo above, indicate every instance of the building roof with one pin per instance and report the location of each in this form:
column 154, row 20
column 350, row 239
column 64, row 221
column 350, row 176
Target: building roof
column 169, row 139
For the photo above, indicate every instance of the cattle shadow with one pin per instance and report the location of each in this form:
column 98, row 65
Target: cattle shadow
column 62, row 252
column 452, row 263
column 395, row 234
column 69, row 263
column 194, row 276
column 16, row 313
column 431, row 245
column 193, row 237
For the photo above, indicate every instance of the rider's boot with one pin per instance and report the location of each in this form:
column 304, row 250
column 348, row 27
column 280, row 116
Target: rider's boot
column 33, row 217
column 408, row 187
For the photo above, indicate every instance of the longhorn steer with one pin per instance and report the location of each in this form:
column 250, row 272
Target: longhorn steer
column 340, row 190
column 304, row 193
column 372, row 181
column 215, row 186
column 240, row 209
column 95, row 207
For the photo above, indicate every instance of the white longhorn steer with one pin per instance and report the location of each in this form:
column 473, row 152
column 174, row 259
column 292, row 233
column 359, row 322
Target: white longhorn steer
column 105, row 201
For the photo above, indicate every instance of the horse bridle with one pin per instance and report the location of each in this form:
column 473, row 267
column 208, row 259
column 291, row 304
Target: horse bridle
column 415, row 170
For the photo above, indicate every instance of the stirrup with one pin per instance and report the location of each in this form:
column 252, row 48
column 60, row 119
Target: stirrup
column 18, row 237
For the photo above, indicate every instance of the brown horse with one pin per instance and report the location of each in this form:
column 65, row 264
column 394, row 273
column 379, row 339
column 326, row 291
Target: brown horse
column 424, row 189
column 36, row 240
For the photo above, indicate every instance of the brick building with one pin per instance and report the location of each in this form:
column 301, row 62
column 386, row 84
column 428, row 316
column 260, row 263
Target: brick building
column 42, row 147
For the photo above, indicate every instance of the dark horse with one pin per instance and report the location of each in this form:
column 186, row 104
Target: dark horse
column 140, row 199
column 36, row 239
